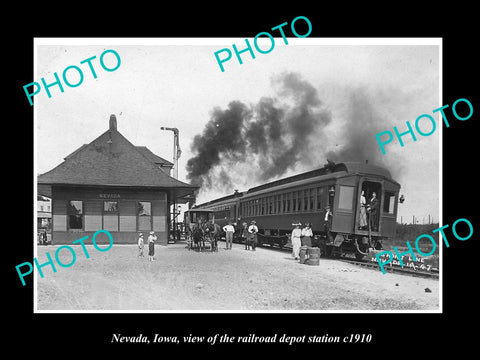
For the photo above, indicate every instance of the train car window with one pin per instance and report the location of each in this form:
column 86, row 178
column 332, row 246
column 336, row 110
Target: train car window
column 389, row 202
column 345, row 200
column 312, row 199
column 319, row 198
column 306, row 201
column 294, row 201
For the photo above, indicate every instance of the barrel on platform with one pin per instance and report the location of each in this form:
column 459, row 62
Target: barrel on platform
column 313, row 254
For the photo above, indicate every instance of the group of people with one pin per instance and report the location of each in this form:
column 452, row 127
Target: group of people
column 151, row 245
column 368, row 212
column 248, row 233
column 301, row 237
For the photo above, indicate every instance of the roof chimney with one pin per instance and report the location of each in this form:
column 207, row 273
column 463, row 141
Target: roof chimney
column 113, row 122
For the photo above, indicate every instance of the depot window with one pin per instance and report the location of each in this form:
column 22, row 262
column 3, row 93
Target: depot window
column 75, row 215
column 110, row 206
column 144, row 215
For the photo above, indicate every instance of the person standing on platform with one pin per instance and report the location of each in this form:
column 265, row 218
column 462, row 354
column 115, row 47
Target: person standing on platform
column 229, row 230
column 296, row 241
column 328, row 224
column 151, row 246
column 307, row 235
column 252, row 234
column 141, row 245
column 216, row 235
column 244, row 235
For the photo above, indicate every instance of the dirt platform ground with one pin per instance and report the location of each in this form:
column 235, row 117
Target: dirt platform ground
column 228, row 280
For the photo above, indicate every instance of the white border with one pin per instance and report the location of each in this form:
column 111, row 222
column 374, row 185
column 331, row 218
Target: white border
column 229, row 41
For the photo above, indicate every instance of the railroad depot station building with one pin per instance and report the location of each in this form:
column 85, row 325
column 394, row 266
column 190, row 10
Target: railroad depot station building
column 114, row 185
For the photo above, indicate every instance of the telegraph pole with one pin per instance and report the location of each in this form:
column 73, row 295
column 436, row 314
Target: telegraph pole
column 176, row 155
column 176, row 149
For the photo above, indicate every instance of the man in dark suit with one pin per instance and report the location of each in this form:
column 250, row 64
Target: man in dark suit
column 373, row 211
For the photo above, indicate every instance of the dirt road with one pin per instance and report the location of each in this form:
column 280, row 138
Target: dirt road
column 228, row 280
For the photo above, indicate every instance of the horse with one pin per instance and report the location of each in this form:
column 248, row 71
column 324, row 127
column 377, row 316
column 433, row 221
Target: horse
column 212, row 231
column 198, row 238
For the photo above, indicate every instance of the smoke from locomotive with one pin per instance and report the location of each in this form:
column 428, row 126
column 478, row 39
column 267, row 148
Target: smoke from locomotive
column 244, row 145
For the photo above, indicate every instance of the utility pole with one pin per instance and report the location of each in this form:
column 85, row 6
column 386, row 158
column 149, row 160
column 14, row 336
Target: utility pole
column 176, row 150
column 176, row 155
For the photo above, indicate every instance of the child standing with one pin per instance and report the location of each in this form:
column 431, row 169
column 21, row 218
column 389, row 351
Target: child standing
column 141, row 245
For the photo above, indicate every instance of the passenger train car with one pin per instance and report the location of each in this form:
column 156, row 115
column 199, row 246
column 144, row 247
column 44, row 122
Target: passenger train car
column 304, row 198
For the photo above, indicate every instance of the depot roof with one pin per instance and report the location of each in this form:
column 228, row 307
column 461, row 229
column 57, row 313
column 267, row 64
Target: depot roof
column 112, row 160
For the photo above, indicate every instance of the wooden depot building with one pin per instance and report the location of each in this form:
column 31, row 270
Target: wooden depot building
column 114, row 185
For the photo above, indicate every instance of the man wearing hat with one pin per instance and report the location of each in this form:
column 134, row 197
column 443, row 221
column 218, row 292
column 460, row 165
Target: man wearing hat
column 141, row 244
column 229, row 230
column 245, row 236
column 252, row 231
column 151, row 245
column 328, row 224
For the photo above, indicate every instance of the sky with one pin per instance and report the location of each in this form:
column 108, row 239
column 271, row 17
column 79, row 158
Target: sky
column 363, row 85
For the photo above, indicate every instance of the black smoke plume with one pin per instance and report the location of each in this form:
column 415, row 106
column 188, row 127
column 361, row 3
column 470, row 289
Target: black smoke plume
column 248, row 144
column 366, row 114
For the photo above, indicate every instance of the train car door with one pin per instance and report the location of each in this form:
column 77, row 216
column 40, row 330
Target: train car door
column 372, row 193
column 343, row 213
column 388, row 213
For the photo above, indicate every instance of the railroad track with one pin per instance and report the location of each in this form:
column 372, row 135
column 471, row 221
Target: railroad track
column 392, row 268
column 434, row 274
column 374, row 266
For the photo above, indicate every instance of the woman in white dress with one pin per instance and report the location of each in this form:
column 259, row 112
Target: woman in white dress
column 363, row 211
column 296, row 241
